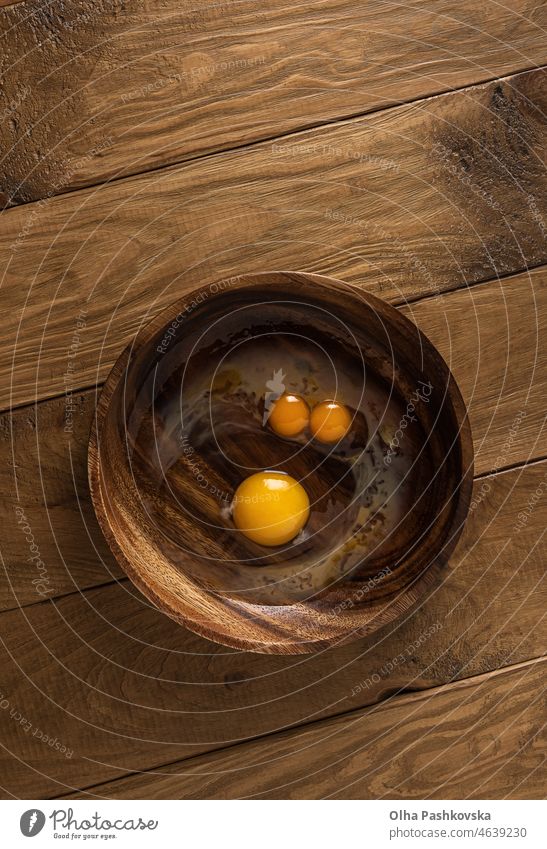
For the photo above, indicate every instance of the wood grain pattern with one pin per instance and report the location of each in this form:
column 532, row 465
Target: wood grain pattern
column 170, row 537
column 475, row 739
column 414, row 200
column 124, row 688
column 43, row 464
column 407, row 202
column 44, row 501
column 117, row 88
column 490, row 336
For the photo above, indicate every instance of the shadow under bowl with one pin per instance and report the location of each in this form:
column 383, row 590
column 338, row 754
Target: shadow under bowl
column 182, row 419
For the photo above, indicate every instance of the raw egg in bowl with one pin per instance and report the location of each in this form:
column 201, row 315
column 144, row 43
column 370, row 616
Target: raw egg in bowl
column 281, row 462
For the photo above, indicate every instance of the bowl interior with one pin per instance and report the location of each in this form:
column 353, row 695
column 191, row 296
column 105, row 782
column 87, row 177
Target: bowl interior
column 184, row 419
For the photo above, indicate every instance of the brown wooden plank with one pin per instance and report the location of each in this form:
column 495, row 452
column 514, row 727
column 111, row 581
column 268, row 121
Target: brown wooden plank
column 51, row 543
column 111, row 89
column 124, row 688
column 490, row 335
column 410, row 201
column 475, row 739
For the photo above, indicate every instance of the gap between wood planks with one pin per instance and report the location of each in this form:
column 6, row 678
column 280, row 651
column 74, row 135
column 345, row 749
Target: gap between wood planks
column 118, row 251
column 192, row 769
column 385, row 54
column 418, row 298
column 400, row 303
column 497, row 390
column 490, row 605
column 289, row 134
column 122, row 579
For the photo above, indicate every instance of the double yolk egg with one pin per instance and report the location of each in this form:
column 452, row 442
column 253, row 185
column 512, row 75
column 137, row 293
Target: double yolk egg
column 271, row 508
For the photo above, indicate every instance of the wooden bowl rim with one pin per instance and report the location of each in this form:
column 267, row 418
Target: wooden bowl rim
column 408, row 596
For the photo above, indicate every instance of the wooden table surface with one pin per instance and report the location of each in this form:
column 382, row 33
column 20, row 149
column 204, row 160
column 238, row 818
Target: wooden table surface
column 148, row 147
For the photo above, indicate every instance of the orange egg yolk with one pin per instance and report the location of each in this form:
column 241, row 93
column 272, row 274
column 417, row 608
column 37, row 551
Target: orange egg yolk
column 270, row 508
column 289, row 416
column 330, row 421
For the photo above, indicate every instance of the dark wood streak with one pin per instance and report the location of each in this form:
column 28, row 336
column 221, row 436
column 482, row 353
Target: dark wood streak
column 116, row 88
column 389, row 211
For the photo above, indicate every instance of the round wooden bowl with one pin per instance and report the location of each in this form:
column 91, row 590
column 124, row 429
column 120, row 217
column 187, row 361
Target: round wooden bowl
column 172, row 438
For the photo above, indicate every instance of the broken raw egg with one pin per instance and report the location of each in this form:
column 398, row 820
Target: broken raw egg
column 289, row 416
column 270, row 508
column 330, row 421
